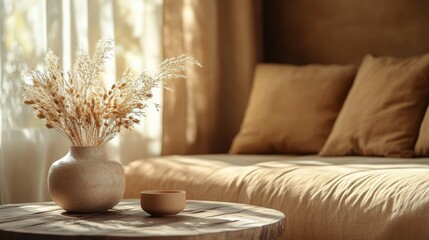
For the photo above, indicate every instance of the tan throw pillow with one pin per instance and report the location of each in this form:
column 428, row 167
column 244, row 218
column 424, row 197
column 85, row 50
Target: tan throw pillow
column 383, row 111
column 292, row 108
column 422, row 145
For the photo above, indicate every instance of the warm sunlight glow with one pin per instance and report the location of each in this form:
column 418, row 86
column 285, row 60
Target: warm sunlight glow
column 29, row 29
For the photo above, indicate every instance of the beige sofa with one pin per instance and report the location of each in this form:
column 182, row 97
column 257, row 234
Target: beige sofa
column 338, row 118
column 321, row 197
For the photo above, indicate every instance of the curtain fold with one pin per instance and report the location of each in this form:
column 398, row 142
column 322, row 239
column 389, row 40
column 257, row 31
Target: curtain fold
column 28, row 29
column 204, row 112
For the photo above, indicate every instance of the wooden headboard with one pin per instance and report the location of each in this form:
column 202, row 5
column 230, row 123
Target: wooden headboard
column 343, row 31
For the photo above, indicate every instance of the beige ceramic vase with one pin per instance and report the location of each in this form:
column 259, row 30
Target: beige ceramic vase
column 86, row 181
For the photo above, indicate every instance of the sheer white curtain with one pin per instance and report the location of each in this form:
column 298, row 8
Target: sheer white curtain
column 28, row 29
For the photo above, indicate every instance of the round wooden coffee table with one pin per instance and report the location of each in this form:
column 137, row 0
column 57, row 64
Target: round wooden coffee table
column 199, row 220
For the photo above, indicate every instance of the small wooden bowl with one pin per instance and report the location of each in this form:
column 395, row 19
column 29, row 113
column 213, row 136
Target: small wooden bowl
column 163, row 202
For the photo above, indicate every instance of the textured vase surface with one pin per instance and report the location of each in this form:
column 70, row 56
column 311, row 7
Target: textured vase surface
column 86, row 181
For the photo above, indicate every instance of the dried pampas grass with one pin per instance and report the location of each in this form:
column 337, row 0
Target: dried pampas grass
column 78, row 106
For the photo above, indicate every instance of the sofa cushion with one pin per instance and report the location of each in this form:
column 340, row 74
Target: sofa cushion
column 383, row 111
column 422, row 145
column 292, row 108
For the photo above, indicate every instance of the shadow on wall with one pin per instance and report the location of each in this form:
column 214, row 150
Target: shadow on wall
column 342, row 32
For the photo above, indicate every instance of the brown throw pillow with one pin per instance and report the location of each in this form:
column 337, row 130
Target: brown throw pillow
column 383, row 111
column 422, row 145
column 292, row 108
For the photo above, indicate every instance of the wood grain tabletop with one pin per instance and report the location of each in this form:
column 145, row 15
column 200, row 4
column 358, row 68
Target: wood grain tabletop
column 200, row 220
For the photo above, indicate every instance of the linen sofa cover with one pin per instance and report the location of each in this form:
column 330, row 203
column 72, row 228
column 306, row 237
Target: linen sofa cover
column 321, row 197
